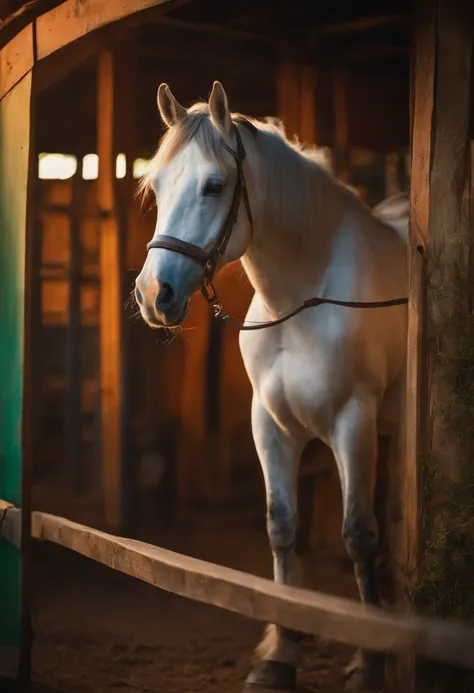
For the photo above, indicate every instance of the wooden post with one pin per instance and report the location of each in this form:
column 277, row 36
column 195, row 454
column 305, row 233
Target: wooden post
column 438, row 426
column 73, row 366
column 308, row 118
column 16, row 417
column 296, row 100
column 125, row 57
column 114, row 102
column 341, row 128
column 191, row 458
column 288, row 97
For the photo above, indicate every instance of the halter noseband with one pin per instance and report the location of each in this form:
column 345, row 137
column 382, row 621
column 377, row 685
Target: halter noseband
column 210, row 258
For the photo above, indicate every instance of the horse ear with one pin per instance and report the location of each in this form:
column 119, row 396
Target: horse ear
column 219, row 109
column 170, row 110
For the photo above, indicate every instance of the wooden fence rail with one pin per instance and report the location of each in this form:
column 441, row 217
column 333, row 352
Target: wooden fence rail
column 333, row 618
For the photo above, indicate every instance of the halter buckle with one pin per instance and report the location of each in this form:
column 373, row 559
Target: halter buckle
column 217, row 307
column 209, row 292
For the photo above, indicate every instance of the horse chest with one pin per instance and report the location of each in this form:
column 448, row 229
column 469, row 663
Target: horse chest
column 292, row 387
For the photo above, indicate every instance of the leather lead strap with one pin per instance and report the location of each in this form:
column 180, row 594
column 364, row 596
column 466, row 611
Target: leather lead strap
column 310, row 303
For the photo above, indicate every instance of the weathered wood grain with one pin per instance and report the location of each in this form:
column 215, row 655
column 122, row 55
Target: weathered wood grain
column 16, row 60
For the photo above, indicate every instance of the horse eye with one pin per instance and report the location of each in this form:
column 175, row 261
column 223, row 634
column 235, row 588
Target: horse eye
column 213, row 187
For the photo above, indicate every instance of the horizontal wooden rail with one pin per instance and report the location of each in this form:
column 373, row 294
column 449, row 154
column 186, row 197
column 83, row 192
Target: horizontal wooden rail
column 333, row 618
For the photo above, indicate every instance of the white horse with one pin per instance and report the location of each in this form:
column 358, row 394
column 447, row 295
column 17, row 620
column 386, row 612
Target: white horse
column 331, row 372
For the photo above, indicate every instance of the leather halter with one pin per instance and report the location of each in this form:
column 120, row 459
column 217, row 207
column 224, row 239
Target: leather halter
column 209, row 259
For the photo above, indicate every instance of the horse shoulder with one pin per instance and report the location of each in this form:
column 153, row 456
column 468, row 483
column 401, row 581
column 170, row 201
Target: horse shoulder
column 259, row 348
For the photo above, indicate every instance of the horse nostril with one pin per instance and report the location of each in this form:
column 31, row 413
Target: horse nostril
column 165, row 296
column 138, row 296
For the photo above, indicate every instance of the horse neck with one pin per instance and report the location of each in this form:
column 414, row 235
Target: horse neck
column 301, row 209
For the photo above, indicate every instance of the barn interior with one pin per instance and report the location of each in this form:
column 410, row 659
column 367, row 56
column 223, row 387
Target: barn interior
column 343, row 86
column 175, row 463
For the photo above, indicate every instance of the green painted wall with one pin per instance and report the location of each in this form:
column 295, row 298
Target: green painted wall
column 14, row 159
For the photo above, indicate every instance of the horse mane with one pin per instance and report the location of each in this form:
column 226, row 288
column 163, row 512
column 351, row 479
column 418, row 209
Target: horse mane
column 296, row 178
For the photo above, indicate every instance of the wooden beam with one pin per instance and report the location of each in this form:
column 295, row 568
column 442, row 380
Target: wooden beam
column 308, row 120
column 111, row 293
column 296, row 100
column 130, row 217
column 288, row 97
column 341, row 127
column 422, row 116
column 332, row 618
column 15, row 22
column 16, row 60
column 211, row 29
column 116, row 135
column 253, row 67
column 439, row 209
column 438, row 444
column 361, row 54
column 217, row 30
column 54, row 67
column 69, row 21
column 73, row 337
column 261, row 15
column 16, row 415
column 191, row 453
column 359, row 25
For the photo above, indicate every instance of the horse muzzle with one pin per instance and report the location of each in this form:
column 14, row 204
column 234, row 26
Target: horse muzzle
column 160, row 305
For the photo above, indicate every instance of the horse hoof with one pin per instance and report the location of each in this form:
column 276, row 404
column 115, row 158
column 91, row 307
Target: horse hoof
column 365, row 673
column 272, row 676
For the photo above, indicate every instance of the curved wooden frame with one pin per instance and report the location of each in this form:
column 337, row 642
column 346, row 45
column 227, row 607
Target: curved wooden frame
column 60, row 27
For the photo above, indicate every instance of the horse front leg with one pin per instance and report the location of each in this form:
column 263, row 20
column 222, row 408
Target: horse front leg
column 279, row 456
column 355, row 449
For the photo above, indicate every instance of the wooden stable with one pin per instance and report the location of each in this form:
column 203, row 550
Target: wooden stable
column 338, row 78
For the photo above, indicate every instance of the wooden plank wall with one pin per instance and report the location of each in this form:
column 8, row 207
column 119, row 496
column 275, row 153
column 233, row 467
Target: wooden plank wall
column 69, row 433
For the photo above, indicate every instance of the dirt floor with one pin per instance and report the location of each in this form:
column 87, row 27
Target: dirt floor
column 97, row 630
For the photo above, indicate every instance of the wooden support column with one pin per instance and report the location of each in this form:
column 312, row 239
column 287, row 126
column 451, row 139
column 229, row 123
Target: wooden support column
column 191, row 461
column 17, row 251
column 308, row 117
column 74, row 335
column 341, row 128
column 288, row 97
column 125, row 57
column 296, row 100
column 439, row 430
column 114, row 101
